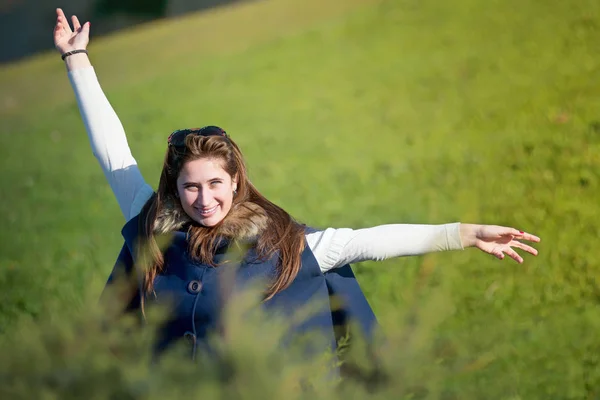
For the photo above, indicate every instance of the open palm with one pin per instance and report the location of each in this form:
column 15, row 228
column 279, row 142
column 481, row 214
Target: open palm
column 67, row 39
column 500, row 240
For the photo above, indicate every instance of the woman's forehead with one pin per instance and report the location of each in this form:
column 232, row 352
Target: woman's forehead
column 203, row 169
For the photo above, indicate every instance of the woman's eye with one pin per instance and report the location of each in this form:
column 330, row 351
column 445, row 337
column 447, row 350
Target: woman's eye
column 191, row 188
column 215, row 183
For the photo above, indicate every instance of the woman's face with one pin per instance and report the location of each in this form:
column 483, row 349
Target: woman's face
column 205, row 190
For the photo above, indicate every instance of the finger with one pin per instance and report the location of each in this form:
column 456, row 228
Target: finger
column 506, row 231
column 521, row 235
column 530, row 237
column 523, row 246
column 76, row 24
column 490, row 248
column 527, row 236
column 57, row 31
column 514, row 255
column 59, row 25
column 60, row 18
column 86, row 28
column 496, row 252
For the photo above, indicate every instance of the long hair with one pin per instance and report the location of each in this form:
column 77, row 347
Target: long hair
column 163, row 214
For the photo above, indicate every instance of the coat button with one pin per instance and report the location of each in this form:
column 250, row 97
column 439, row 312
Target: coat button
column 190, row 337
column 194, row 287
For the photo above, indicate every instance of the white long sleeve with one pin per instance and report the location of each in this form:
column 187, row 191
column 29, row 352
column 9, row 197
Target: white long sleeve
column 337, row 247
column 109, row 143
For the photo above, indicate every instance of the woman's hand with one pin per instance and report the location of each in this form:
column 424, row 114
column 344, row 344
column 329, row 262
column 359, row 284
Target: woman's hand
column 65, row 39
column 497, row 240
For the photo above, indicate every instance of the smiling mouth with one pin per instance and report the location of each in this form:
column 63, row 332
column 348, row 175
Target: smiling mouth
column 207, row 212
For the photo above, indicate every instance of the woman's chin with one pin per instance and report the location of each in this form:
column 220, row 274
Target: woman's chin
column 209, row 221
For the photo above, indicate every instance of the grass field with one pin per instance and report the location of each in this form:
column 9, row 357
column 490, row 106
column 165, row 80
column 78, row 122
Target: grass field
column 350, row 114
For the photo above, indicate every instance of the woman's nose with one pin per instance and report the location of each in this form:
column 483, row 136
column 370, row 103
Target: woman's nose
column 204, row 197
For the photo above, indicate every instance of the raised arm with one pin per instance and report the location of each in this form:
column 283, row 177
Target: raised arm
column 336, row 247
column 104, row 129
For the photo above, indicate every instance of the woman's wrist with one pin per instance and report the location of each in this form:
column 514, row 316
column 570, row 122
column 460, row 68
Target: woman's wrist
column 468, row 234
column 77, row 61
column 72, row 52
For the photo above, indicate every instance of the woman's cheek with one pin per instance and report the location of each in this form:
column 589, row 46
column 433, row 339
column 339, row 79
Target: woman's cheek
column 226, row 194
column 189, row 197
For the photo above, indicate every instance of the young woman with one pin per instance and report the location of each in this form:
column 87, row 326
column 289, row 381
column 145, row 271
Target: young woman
column 205, row 202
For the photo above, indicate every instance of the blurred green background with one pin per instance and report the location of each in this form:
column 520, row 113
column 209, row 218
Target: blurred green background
column 350, row 114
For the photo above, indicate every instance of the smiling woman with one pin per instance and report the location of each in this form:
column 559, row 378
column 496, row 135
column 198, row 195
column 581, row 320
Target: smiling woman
column 206, row 202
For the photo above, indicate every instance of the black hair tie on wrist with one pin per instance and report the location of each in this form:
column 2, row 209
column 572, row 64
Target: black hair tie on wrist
column 70, row 53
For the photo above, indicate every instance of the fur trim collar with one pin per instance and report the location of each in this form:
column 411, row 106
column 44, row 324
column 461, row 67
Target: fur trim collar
column 244, row 222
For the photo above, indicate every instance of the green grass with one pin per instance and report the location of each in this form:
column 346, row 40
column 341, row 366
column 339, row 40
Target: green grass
column 350, row 114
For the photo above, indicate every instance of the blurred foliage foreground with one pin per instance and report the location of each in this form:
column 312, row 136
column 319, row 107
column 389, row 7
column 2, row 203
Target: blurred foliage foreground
column 101, row 353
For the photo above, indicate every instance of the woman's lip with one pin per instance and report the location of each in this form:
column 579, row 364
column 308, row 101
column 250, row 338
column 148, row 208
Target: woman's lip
column 207, row 211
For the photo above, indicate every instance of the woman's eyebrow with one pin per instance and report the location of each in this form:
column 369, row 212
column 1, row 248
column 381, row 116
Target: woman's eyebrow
column 199, row 183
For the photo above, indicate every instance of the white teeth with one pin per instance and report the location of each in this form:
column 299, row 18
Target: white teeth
column 208, row 211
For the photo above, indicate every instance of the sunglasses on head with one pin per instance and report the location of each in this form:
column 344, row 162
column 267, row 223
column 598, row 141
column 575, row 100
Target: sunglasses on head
column 177, row 138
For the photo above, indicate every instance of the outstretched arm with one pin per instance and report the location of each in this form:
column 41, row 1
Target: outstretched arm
column 104, row 129
column 336, row 247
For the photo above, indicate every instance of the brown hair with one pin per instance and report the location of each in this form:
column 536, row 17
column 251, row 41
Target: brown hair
column 283, row 235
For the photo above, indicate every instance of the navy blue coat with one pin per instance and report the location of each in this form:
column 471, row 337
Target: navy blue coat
column 193, row 291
